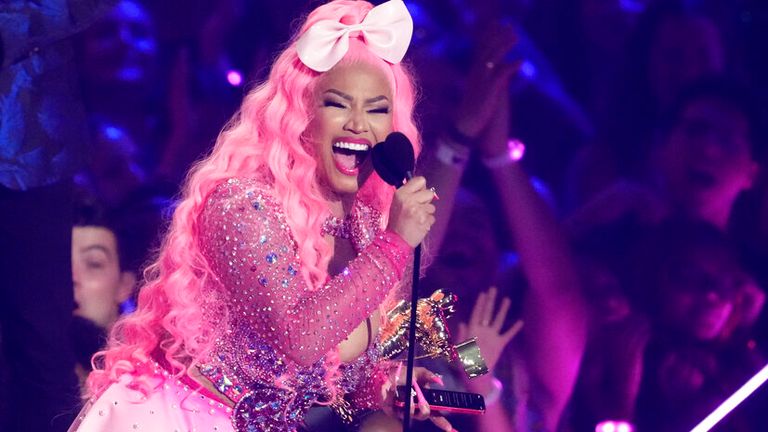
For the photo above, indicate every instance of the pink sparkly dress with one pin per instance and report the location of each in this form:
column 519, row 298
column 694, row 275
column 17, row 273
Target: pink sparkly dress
column 272, row 355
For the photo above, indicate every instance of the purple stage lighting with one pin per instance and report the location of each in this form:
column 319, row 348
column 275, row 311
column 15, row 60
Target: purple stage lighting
column 528, row 69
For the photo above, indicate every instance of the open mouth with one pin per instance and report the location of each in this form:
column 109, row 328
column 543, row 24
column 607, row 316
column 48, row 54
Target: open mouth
column 349, row 156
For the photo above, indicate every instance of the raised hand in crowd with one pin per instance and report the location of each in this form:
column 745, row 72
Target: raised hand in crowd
column 487, row 325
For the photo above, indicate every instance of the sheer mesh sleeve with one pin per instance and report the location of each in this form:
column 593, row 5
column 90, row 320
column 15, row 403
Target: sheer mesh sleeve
column 249, row 247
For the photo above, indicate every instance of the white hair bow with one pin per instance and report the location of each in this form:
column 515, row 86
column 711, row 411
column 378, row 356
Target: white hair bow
column 387, row 30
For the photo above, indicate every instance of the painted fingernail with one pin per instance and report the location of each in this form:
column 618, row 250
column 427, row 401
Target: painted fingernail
column 438, row 379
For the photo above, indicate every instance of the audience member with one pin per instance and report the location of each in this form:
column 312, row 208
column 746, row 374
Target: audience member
column 706, row 156
column 116, row 180
column 710, row 151
column 102, row 278
column 693, row 361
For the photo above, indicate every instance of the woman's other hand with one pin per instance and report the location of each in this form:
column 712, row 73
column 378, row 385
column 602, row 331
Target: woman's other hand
column 412, row 213
column 422, row 377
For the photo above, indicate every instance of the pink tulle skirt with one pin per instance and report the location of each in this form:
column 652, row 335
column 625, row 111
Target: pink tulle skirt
column 172, row 406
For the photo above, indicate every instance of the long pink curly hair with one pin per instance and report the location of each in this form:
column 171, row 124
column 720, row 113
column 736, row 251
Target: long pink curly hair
column 263, row 140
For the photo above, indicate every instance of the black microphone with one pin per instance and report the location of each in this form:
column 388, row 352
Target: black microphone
column 393, row 159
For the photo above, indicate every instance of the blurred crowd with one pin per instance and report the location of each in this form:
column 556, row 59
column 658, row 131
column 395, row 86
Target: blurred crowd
column 630, row 238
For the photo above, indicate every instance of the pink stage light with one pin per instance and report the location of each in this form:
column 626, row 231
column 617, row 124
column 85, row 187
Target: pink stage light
column 234, row 78
column 516, row 149
column 733, row 401
column 614, row 426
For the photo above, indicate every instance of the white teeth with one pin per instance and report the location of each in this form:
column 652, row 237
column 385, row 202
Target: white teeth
column 351, row 146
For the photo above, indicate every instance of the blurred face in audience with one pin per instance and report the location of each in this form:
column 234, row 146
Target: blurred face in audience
column 602, row 287
column 121, row 47
column 100, row 285
column 698, row 292
column 706, row 160
column 683, row 50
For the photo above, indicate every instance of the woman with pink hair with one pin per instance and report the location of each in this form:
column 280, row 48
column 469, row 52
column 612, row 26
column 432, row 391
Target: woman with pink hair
column 268, row 292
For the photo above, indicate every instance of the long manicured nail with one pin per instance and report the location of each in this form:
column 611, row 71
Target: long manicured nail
column 434, row 192
column 438, row 379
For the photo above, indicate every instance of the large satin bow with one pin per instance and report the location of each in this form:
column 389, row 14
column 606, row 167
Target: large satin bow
column 387, row 30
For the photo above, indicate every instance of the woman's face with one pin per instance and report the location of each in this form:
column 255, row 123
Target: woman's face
column 352, row 112
column 699, row 292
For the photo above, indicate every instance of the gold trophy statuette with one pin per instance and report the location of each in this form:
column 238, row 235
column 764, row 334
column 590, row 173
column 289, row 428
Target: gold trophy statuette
column 432, row 333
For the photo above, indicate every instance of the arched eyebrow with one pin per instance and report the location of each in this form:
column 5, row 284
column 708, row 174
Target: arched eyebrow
column 350, row 98
column 376, row 99
column 340, row 94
